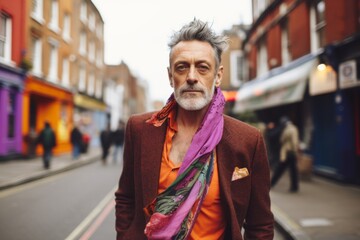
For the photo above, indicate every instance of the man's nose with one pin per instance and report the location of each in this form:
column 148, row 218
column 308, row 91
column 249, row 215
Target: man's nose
column 192, row 76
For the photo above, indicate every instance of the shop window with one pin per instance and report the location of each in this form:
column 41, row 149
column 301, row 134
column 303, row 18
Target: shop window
column 11, row 114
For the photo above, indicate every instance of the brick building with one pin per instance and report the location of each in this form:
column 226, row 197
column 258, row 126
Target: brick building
column 303, row 58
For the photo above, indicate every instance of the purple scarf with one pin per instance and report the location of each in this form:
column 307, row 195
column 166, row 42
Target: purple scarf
column 172, row 215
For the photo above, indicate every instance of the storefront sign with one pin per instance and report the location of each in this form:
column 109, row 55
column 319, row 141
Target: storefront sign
column 347, row 74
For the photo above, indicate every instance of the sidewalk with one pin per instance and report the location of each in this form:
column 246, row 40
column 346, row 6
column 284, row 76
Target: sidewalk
column 19, row 171
column 321, row 210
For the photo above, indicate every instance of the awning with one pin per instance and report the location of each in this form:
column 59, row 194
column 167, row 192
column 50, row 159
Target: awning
column 280, row 86
column 89, row 103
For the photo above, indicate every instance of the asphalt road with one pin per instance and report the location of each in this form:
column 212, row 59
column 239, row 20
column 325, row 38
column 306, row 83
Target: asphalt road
column 78, row 204
column 54, row 207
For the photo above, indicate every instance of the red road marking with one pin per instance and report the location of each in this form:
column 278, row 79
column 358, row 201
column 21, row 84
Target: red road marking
column 98, row 221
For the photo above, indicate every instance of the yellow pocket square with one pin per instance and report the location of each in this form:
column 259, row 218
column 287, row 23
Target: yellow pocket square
column 239, row 173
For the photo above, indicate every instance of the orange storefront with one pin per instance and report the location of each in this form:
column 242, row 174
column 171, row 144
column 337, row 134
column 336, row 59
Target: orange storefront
column 45, row 101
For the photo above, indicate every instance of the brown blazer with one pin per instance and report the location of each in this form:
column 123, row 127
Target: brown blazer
column 246, row 201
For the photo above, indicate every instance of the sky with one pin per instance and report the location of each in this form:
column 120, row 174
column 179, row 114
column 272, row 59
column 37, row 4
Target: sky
column 137, row 32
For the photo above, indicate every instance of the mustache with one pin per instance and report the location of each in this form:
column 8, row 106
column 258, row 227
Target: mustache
column 191, row 88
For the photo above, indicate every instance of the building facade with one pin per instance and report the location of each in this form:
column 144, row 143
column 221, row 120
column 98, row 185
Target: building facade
column 11, row 76
column 303, row 58
column 64, row 43
column 88, row 69
column 125, row 93
column 233, row 61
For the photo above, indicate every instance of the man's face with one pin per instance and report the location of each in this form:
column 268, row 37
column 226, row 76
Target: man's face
column 193, row 74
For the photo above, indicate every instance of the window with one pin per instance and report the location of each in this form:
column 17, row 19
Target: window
column 99, row 30
column 262, row 66
column 66, row 72
column 53, row 66
column 82, row 48
column 235, row 68
column 36, row 56
column 66, row 27
column 54, row 15
column 285, row 43
column 92, row 51
column 318, row 23
column 92, row 21
column 37, row 10
column 259, row 6
column 91, row 84
column 99, row 58
column 5, row 37
column 83, row 11
column 82, row 78
column 98, row 90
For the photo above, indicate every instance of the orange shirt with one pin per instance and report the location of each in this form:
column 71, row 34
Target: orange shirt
column 210, row 223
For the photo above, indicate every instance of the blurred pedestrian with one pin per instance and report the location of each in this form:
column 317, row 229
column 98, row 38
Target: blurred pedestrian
column 199, row 174
column 76, row 141
column 105, row 139
column 118, row 140
column 48, row 141
column 85, row 142
column 272, row 138
column 289, row 148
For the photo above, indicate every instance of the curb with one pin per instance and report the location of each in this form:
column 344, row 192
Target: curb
column 289, row 227
column 33, row 177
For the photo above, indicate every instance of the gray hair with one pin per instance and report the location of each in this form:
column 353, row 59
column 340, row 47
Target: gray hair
column 201, row 31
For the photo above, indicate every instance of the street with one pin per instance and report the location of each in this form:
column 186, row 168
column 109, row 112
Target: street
column 77, row 204
column 52, row 208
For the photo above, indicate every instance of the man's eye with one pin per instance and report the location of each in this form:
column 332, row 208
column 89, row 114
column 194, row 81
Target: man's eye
column 203, row 68
column 181, row 68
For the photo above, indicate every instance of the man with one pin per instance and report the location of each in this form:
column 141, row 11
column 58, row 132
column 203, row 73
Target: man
column 189, row 171
column 105, row 140
column 48, row 141
column 76, row 141
column 118, row 139
column 289, row 147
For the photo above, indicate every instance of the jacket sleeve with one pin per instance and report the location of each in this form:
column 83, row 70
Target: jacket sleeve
column 259, row 222
column 124, row 196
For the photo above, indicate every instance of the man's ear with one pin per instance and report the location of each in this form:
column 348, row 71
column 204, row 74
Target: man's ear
column 170, row 77
column 219, row 75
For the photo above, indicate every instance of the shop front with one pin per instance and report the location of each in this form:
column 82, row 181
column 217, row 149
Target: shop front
column 11, row 85
column 324, row 106
column 92, row 116
column 46, row 102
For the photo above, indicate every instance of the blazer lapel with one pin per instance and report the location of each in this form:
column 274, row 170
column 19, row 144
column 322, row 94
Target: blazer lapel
column 151, row 152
